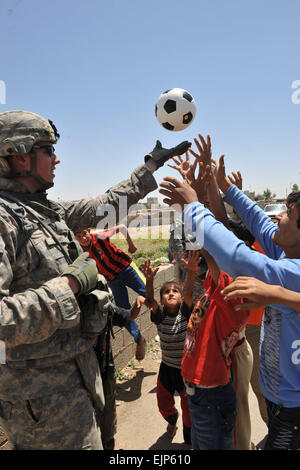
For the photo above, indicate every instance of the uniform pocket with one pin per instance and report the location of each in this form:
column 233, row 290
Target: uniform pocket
column 47, row 253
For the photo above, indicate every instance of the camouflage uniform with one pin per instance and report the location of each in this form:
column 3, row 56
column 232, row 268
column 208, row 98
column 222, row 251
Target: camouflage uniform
column 50, row 384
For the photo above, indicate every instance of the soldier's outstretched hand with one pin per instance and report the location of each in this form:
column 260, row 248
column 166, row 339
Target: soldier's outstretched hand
column 160, row 155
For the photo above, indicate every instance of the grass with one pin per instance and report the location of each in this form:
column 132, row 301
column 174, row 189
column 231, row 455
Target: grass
column 151, row 346
column 152, row 249
column 120, row 374
column 132, row 363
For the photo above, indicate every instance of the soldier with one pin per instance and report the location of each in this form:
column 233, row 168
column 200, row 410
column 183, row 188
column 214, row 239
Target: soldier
column 50, row 312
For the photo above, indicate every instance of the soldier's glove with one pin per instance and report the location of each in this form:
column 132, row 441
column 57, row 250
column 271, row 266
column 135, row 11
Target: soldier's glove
column 84, row 269
column 160, row 155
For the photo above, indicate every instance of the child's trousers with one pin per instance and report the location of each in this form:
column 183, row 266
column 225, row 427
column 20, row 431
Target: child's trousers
column 213, row 412
column 169, row 381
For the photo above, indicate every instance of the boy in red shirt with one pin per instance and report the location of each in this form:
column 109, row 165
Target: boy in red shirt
column 212, row 332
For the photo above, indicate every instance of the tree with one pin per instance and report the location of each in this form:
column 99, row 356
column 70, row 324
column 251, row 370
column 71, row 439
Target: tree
column 295, row 187
column 268, row 194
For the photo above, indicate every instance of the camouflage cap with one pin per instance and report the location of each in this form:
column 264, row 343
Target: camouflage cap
column 20, row 130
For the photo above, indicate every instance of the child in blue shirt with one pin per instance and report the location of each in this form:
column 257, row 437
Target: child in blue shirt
column 280, row 337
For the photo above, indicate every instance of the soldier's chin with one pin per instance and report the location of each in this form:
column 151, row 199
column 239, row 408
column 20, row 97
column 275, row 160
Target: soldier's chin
column 48, row 185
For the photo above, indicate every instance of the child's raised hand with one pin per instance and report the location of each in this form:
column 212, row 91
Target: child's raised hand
column 132, row 248
column 148, row 271
column 222, row 179
column 152, row 305
column 236, row 179
column 136, row 307
column 204, row 149
column 192, row 263
column 185, row 168
column 188, row 172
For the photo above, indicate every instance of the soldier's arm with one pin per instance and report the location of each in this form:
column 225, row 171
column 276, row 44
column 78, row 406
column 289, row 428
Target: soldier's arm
column 89, row 212
column 114, row 204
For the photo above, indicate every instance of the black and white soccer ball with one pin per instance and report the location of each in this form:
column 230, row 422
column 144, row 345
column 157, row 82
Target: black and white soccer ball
column 175, row 109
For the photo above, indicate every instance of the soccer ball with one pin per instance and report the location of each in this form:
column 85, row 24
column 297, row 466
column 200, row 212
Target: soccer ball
column 175, row 109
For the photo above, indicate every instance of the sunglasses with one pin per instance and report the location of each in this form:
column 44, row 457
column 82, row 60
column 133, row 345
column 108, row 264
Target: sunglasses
column 48, row 148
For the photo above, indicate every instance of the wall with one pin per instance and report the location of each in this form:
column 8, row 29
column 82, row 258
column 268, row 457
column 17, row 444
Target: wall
column 123, row 344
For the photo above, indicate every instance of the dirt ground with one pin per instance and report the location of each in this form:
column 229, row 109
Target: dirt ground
column 140, row 425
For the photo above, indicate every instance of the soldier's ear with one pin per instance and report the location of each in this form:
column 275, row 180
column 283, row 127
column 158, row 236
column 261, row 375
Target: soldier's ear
column 20, row 161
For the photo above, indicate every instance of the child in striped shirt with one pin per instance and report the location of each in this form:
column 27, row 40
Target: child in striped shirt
column 171, row 318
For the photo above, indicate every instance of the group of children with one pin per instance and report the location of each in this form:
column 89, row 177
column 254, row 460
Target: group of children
column 196, row 341
column 206, row 358
column 197, row 338
column 202, row 323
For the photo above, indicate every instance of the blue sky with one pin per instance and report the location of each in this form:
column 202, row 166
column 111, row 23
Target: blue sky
column 96, row 68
